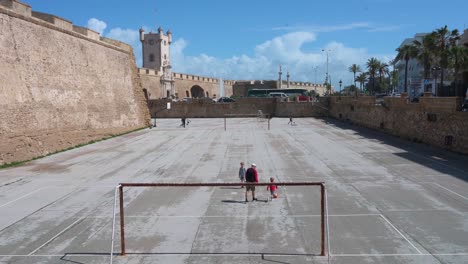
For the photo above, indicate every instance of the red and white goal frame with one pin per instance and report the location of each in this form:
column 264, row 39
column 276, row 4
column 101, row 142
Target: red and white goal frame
column 120, row 190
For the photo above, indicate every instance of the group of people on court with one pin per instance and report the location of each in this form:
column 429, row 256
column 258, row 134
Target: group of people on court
column 251, row 175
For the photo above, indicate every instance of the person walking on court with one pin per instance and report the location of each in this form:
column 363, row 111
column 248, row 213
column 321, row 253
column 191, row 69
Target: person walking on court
column 242, row 173
column 183, row 122
column 290, row 120
column 251, row 175
column 272, row 189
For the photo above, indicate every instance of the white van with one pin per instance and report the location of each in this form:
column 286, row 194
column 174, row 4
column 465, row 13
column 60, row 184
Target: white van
column 280, row 95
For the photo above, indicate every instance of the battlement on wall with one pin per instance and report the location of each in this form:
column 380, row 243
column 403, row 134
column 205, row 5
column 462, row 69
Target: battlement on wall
column 184, row 76
column 307, row 84
column 24, row 11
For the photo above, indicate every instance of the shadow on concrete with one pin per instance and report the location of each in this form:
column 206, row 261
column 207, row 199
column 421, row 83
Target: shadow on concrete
column 231, row 188
column 233, row 201
column 263, row 255
column 441, row 160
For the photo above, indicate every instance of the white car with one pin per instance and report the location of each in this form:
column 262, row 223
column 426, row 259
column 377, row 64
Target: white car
column 280, row 95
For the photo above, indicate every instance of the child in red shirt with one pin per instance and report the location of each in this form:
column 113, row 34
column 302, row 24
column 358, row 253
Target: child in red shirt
column 272, row 189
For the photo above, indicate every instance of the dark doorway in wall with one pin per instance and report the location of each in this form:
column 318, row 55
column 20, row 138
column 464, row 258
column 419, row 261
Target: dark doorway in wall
column 197, row 92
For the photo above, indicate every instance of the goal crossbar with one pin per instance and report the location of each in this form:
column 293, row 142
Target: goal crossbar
column 323, row 201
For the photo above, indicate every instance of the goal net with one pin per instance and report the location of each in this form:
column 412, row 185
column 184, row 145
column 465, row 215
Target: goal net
column 240, row 121
column 145, row 221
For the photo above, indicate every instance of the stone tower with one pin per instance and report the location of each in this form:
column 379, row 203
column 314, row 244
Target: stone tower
column 156, row 48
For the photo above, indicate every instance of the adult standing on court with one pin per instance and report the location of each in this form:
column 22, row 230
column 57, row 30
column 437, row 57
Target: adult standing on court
column 242, row 173
column 251, row 175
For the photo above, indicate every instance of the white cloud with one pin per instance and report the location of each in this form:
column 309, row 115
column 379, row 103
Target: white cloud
column 128, row 36
column 286, row 50
column 96, row 25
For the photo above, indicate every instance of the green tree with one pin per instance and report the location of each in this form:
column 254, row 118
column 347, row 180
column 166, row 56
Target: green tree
column 361, row 79
column 354, row 69
column 444, row 39
column 406, row 53
column 372, row 69
column 458, row 61
column 424, row 52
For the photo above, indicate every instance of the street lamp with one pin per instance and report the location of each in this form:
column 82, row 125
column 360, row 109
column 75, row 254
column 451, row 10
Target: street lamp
column 327, row 76
column 436, row 70
column 315, row 73
column 340, row 83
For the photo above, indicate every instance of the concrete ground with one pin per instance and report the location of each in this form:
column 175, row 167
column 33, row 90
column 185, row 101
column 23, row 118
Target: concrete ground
column 390, row 200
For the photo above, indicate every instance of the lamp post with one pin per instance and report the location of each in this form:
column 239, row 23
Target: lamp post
column 340, row 83
column 315, row 73
column 436, row 70
column 327, row 76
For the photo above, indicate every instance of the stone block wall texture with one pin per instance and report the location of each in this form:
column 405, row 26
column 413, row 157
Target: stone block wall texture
column 183, row 83
column 243, row 106
column 59, row 88
column 429, row 121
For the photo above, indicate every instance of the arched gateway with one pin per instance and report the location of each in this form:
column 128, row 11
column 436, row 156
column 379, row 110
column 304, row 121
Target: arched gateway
column 197, row 92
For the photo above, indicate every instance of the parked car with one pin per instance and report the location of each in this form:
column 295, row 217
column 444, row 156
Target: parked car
column 225, row 100
column 465, row 106
column 280, row 95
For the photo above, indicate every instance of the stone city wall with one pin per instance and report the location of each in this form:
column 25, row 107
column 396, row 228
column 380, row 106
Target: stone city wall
column 273, row 107
column 151, row 81
column 61, row 85
column 435, row 121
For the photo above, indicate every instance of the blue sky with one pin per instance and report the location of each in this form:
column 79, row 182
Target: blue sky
column 248, row 39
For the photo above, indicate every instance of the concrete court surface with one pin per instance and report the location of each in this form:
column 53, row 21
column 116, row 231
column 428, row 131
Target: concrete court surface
column 390, row 200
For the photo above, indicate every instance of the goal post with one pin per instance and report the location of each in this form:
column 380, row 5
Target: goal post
column 323, row 205
column 260, row 116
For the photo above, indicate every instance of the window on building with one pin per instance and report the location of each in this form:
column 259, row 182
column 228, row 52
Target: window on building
column 151, row 42
column 151, row 57
column 165, row 57
column 164, row 43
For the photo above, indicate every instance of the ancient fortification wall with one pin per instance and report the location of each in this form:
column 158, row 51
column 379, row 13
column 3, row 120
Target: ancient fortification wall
column 435, row 121
column 243, row 106
column 183, row 83
column 61, row 85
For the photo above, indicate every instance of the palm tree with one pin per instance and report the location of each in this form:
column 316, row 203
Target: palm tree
column 443, row 40
column 425, row 53
column 372, row 68
column 361, row 79
column 383, row 69
column 406, row 53
column 459, row 61
column 354, row 69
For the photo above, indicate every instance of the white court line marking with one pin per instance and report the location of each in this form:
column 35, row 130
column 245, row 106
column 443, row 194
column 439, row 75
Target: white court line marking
column 396, row 255
column 448, row 190
column 236, row 254
column 24, row 196
column 48, row 241
column 401, row 234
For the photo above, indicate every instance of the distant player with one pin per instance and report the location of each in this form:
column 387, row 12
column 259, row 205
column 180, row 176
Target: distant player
column 242, row 173
column 290, row 120
column 272, row 189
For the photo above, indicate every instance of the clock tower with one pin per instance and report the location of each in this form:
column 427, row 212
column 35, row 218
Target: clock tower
column 156, row 47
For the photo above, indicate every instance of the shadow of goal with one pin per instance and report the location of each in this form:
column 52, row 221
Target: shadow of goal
column 119, row 193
